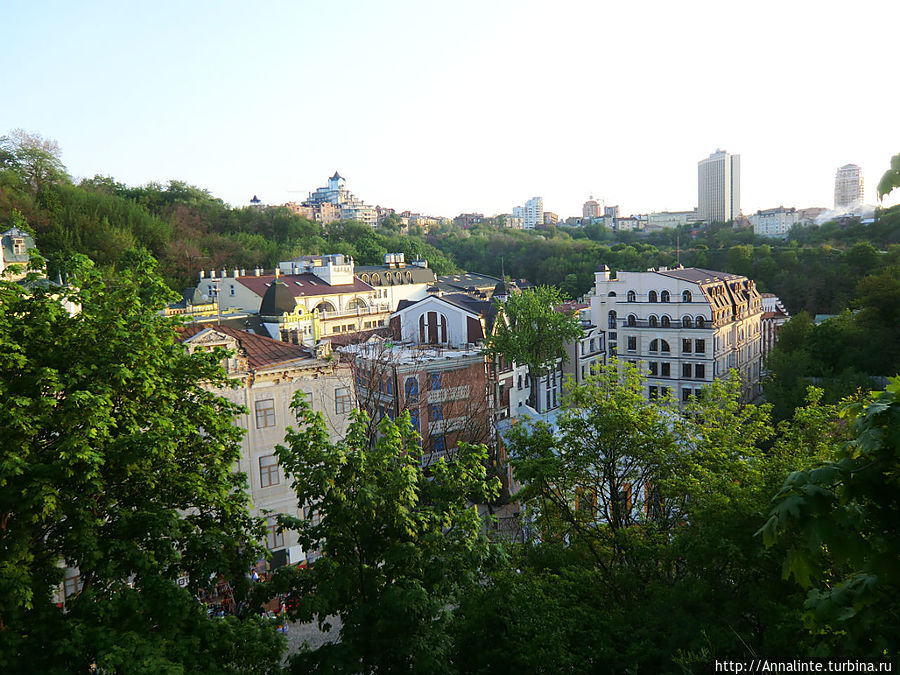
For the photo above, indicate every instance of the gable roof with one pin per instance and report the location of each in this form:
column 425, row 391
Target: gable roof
column 260, row 351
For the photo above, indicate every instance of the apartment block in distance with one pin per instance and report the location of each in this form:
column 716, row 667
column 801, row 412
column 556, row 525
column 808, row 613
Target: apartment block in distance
column 719, row 187
column 848, row 188
column 683, row 327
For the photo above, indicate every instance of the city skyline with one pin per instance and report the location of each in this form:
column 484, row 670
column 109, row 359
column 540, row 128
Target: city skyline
column 420, row 108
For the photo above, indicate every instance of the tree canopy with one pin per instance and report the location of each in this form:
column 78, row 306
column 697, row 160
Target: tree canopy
column 399, row 544
column 118, row 465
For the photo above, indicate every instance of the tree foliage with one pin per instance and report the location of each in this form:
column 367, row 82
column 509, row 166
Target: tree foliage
column 531, row 330
column 399, row 544
column 890, row 179
column 840, row 520
column 116, row 463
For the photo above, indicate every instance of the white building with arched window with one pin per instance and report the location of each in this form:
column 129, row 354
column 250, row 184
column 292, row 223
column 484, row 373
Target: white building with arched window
column 682, row 327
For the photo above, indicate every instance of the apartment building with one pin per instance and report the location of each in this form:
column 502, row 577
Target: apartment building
column 683, row 327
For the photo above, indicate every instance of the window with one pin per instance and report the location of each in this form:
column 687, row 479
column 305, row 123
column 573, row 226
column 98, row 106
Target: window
column 592, row 344
column 664, row 346
column 342, row 404
column 274, row 534
column 72, row 585
column 664, row 296
column 631, row 297
column 653, row 393
column 519, row 382
column 652, row 296
column 685, row 395
column 700, row 346
column 435, row 412
column 411, row 389
column 701, row 322
column 666, row 369
column 686, row 345
column 389, row 385
column 632, row 320
column 268, row 471
column 653, row 368
column 654, row 345
column 664, row 392
column 414, row 418
column 265, row 413
column 439, row 443
column 653, row 321
column 686, row 296
column 686, row 322
column 611, row 294
column 612, row 320
column 686, row 370
column 632, row 343
column 665, row 322
column 624, row 498
column 435, row 381
column 586, row 502
column 19, row 246
column 700, row 371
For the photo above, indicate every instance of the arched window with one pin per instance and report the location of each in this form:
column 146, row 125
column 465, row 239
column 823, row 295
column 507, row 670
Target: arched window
column 632, row 297
column 612, row 320
column 653, row 321
column 686, row 296
column 411, row 388
column 365, row 278
column 654, row 345
column 356, row 303
column 664, row 346
column 701, row 322
column 687, row 322
column 376, row 280
column 432, row 328
column 652, row 296
column 665, row 322
column 325, row 306
column 632, row 320
column 664, row 297
column 611, row 294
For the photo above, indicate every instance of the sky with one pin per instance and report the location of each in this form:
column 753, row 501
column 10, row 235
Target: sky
column 463, row 106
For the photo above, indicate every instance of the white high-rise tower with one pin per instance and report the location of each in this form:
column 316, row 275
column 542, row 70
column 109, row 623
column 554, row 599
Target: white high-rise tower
column 848, row 187
column 719, row 187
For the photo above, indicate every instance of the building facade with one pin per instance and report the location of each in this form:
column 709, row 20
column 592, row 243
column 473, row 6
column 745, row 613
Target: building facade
column 683, row 328
column 269, row 374
column 719, row 187
column 774, row 222
column 848, row 188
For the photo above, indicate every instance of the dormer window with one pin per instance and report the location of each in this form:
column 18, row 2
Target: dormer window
column 18, row 245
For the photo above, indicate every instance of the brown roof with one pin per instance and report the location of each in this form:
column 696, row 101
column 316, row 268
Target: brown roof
column 261, row 351
column 302, row 285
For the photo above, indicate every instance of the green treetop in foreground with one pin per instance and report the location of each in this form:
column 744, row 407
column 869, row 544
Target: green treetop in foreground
column 400, row 544
column 117, row 462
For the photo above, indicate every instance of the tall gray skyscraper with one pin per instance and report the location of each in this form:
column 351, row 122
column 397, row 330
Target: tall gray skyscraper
column 848, row 187
column 719, row 187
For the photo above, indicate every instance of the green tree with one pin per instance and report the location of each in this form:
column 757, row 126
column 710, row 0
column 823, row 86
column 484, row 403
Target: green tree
column 35, row 159
column 118, row 463
column 399, row 543
column 840, row 519
column 890, row 179
column 530, row 330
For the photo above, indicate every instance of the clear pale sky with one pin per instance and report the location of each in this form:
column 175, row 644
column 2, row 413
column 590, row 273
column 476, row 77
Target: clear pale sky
column 461, row 106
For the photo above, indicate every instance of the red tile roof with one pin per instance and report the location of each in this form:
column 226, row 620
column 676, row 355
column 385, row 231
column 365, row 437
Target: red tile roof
column 261, row 351
column 309, row 285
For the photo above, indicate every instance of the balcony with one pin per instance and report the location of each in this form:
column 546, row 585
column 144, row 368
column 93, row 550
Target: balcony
column 675, row 325
column 448, row 394
column 383, row 308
